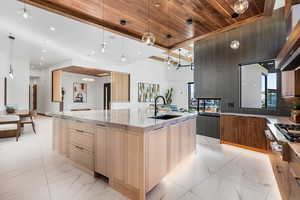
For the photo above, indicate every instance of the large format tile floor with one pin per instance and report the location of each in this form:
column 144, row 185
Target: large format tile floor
column 30, row 170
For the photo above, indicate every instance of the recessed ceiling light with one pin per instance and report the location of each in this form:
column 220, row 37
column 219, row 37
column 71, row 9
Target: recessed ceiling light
column 93, row 52
column 44, row 51
column 52, row 28
column 157, row 5
column 123, row 58
column 41, row 63
column 42, row 58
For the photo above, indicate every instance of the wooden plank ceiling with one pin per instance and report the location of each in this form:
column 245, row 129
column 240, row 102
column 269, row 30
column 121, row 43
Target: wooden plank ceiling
column 208, row 16
column 86, row 71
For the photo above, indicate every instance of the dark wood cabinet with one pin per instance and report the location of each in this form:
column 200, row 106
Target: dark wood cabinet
column 290, row 84
column 244, row 131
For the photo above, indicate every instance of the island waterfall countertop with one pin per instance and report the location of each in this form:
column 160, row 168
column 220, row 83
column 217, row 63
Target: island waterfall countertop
column 133, row 119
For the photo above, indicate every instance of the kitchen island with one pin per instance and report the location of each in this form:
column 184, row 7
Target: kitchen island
column 129, row 147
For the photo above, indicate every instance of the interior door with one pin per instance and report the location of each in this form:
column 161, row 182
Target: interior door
column 107, row 96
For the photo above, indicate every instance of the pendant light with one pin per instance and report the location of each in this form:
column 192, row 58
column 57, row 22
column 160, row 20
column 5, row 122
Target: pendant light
column 11, row 71
column 123, row 57
column 235, row 44
column 25, row 13
column 148, row 37
column 240, row 6
column 103, row 44
column 169, row 61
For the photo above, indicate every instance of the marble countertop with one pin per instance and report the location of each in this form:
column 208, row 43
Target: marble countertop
column 137, row 119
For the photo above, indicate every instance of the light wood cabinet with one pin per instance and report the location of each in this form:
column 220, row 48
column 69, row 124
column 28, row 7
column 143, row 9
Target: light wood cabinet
column 134, row 162
column 290, row 84
column 61, row 136
column 294, row 175
column 120, row 83
column 56, row 86
column 156, row 157
column 174, row 153
column 125, row 161
column 101, row 151
column 244, row 131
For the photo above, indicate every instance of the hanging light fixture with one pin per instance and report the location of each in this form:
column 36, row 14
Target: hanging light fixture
column 11, row 41
column 103, row 44
column 240, row 6
column 123, row 57
column 25, row 13
column 235, row 44
column 169, row 61
column 148, row 37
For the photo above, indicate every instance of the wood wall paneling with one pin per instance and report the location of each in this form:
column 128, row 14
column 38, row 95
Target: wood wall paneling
column 217, row 65
column 56, row 86
column 120, row 87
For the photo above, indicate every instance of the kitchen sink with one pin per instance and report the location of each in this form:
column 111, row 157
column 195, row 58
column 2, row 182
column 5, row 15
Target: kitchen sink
column 165, row 117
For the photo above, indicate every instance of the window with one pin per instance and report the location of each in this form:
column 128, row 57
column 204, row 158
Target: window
column 191, row 96
column 259, row 85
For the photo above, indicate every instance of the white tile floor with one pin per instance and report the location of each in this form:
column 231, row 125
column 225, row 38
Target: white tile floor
column 30, row 170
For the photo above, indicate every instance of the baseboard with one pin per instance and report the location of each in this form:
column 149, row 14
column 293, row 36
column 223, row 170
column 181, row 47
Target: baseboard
column 245, row 147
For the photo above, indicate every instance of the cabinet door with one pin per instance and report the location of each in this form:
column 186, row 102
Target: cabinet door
column 100, row 151
column 156, row 167
column 56, row 86
column 229, row 128
column 173, row 146
column 124, row 158
column 288, row 83
column 61, row 136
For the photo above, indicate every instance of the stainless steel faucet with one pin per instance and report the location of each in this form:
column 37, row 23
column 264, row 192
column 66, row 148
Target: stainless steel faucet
column 155, row 104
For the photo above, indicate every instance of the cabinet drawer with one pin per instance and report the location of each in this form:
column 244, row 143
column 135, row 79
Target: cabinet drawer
column 82, row 139
column 81, row 156
column 82, row 126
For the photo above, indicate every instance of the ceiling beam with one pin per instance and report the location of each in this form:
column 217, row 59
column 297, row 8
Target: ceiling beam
column 160, row 59
column 176, row 55
column 269, row 7
column 221, row 30
column 217, row 6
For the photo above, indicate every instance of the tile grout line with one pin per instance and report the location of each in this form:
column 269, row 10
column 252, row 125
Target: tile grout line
column 44, row 169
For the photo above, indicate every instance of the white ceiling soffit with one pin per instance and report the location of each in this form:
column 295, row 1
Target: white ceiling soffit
column 70, row 40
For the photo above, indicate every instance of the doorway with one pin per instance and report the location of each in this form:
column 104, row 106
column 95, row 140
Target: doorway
column 107, row 96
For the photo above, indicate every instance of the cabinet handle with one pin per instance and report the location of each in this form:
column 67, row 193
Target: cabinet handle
column 102, row 125
column 80, row 131
column 297, row 179
column 78, row 147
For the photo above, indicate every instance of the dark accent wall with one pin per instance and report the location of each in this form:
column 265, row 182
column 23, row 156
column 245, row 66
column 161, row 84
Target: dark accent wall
column 217, row 71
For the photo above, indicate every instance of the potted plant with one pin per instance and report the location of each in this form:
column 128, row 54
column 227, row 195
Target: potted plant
column 295, row 114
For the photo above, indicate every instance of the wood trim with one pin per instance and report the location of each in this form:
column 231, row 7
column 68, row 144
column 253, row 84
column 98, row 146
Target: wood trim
column 221, row 30
column 245, row 147
column 269, row 7
column 59, row 97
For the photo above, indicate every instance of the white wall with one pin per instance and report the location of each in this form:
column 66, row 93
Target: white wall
column 146, row 70
column 94, row 91
column 17, row 88
column 251, row 85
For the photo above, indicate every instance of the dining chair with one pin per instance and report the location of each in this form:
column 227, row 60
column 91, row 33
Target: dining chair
column 28, row 120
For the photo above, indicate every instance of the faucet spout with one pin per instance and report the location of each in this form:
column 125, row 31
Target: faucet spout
column 155, row 104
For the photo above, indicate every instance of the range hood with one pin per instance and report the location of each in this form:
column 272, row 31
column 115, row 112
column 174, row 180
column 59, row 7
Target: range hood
column 292, row 62
column 289, row 56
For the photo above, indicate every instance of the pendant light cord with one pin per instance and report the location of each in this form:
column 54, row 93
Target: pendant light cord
column 103, row 21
